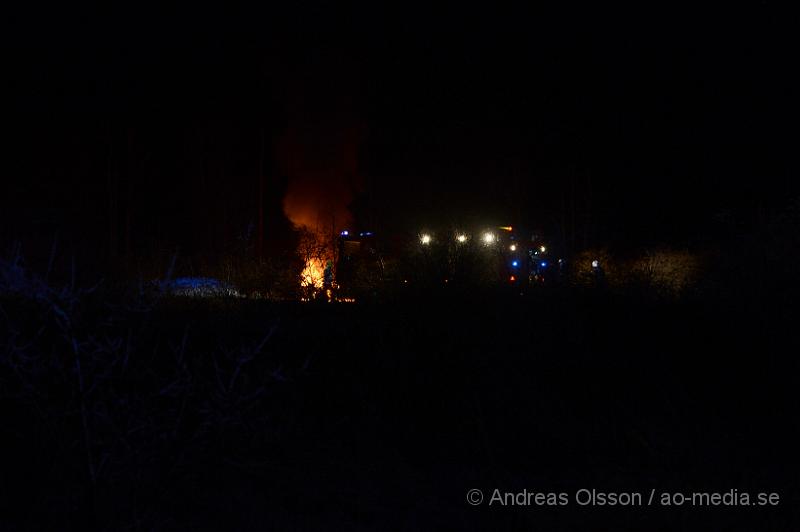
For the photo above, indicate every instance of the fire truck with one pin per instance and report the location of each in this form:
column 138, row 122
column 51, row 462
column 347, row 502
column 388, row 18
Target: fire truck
column 367, row 261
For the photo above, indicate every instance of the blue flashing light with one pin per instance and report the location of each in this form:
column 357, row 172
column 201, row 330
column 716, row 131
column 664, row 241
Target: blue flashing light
column 345, row 233
column 515, row 263
column 543, row 264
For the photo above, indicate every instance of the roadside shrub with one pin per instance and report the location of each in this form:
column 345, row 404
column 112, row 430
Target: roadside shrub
column 667, row 271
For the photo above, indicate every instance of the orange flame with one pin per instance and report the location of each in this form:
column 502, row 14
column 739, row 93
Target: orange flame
column 313, row 274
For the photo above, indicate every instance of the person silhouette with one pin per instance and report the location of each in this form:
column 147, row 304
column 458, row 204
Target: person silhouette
column 327, row 276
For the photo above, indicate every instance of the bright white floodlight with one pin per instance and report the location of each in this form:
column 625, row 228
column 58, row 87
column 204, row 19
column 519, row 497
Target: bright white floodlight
column 488, row 238
column 425, row 239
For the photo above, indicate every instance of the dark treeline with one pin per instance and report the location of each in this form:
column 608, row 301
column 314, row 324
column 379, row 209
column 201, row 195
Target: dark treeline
column 140, row 133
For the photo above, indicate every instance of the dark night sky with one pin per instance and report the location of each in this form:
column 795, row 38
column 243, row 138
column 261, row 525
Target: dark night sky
column 650, row 122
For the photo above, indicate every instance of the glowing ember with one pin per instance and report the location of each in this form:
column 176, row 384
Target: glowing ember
column 313, row 274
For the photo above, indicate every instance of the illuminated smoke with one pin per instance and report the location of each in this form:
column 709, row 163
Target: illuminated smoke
column 319, row 154
column 322, row 175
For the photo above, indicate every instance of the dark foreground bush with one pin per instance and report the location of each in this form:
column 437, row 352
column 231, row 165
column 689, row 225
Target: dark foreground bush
column 124, row 413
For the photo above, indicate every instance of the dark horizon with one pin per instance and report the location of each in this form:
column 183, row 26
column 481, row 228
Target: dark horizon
column 136, row 130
